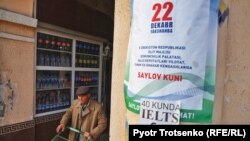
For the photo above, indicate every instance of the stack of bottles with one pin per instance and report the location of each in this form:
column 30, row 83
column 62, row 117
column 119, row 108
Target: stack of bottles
column 87, row 48
column 51, row 80
column 53, row 59
column 53, row 83
column 46, row 41
column 52, row 100
column 86, row 78
column 86, row 61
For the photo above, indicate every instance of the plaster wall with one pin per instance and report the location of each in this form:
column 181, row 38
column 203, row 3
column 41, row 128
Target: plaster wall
column 236, row 99
column 24, row 7
column 17, row 60
column 120, row 45
column 17, row 66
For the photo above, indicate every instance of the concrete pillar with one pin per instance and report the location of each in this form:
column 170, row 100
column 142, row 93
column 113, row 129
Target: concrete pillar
column 121, row 36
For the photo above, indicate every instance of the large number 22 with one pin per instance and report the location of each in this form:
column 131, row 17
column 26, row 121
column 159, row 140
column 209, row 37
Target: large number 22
column 157, row 7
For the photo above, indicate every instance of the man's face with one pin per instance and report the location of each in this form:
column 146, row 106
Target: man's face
column 84, row 99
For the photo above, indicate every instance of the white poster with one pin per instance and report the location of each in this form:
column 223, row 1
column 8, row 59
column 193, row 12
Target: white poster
column 171, row 55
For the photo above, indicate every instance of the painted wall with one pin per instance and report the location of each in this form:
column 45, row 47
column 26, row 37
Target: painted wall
column 120, row 45
column 24, row 7
column 17, row 60
column 232, row 99
column 236, row 99
column 13, row 54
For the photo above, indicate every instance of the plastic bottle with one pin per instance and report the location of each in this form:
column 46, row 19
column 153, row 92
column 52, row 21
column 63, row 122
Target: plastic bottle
column 41, row 59
column 63, row 61
column 47, row 60
column 38, row 82
column 40, row 40
column 58, row 60
column 53, row 43
column 47, row 42
column 53, row 60
column 67, row 61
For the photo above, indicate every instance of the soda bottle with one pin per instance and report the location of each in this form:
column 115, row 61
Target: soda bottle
column 87, row 61
column 78, row 79
column 84, row 62
column 59, row 99
column 92, row 62
column 69, row 43
column 67, row 61
column 53, row 43
column 97, row 50
column 86, row 47
column 63, row 46
column 61, row 82
column 67, row 100
column 96, row 65
column 83, row 47
column 38, row 103
column 77, row 61
column 63, row 61
column 38, row 81
column 43, row 102
column 53, row 60
column 95, row 77
column 47, row 104
column 80, row 47
column 47, row 42
column 58, row 60
column 92, row 48
column 77, row 47
column 58, row 43
column 81, row 61
column 82, row 79
column 39, row 40
column 47, row 60
column 41, row 59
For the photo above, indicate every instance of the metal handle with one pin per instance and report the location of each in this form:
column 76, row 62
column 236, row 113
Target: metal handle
column 78, row 131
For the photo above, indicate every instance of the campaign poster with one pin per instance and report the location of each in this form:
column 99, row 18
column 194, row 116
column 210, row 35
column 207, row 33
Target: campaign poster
column 172, row 56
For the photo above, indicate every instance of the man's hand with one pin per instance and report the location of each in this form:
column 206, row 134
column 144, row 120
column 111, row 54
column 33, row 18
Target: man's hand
column 87, row 135
column 60, row 128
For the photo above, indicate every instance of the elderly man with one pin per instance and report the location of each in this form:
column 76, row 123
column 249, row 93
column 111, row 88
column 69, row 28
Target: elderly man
column 86, row 115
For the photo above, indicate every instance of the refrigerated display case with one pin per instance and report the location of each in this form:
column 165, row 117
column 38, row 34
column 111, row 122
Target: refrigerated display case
column 63, row 63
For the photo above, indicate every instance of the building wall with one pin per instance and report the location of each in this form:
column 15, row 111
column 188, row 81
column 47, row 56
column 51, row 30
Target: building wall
column 12, row 56
column 231, row 104
column 24, row 7
column 17, row 67
column 17, row 59
column 120, row 45
column 236, row 99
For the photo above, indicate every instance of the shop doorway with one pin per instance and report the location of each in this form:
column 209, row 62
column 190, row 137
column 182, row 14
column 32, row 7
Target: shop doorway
column 76, row 20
